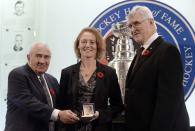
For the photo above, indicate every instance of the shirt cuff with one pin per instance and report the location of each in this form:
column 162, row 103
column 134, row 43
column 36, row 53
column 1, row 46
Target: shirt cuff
column 54, row 115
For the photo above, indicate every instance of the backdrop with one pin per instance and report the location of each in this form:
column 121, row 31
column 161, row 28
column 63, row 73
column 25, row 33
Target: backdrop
column 57, row 23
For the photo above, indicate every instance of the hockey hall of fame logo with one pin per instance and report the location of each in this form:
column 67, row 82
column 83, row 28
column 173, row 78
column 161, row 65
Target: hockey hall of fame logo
column 172, row 26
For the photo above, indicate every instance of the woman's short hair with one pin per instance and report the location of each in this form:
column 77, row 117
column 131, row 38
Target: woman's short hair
column 99, row 42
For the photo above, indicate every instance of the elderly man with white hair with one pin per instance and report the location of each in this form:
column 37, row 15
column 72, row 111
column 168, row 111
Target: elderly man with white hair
column 32, row 93
column 154, row 96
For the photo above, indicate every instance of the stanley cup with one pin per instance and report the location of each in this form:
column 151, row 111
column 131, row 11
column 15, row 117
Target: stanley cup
column 124, row 53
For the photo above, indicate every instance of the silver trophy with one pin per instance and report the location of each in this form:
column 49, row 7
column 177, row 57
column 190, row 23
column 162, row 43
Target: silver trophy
column 124, row 53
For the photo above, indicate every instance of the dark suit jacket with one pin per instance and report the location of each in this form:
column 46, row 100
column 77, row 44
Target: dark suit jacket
column 154, row 94
column 27, row 107
column 107, row 89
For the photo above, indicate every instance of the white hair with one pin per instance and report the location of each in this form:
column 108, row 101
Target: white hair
column 145, row 11
column 36, row 44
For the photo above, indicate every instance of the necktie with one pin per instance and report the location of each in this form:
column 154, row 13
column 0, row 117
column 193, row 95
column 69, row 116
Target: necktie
column 49, row 101
column 44, row 85
column 139, row 52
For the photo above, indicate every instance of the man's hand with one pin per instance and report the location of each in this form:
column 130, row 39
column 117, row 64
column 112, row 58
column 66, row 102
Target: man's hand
column 68, row 117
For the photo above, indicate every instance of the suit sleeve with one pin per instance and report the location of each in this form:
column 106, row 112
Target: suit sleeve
column 114, row 94
column 20, row 95
column 62, row 95
column 170, row 92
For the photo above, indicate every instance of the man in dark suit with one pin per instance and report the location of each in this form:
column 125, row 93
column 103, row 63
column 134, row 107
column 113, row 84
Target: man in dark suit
column 31, row 95
column 154, row 95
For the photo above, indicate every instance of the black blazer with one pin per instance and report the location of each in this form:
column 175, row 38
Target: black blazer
column 106, row 90
column 27, row 107
column 154, row 94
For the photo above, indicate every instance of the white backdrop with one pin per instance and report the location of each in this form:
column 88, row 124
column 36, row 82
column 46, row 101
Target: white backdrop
column 58, row 23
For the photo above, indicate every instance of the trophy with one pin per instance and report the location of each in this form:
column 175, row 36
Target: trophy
column 124, row 53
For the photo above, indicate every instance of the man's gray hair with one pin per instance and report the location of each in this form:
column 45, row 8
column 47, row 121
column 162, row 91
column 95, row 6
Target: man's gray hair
column 145, row 11
column 38, row 43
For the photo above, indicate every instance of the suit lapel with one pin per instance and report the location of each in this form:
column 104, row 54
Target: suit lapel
column 35, row 81
column 130, row 71
column 74, row 76
column 144, row 57
column 100, row 78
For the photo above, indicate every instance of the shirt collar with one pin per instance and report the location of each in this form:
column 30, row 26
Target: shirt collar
column 39, row 75
column 150, row 40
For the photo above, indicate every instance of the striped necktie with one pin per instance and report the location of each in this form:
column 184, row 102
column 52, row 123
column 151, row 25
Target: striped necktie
column 46, row 91
column 49, row 100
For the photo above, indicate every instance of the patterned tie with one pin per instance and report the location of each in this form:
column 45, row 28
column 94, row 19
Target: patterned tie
column 49, row 101
column 44, row 85
column 139, row 52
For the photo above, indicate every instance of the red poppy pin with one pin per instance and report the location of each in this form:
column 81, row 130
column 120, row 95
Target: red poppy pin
column 146, row 53
column 52, row 92
column 100, row 74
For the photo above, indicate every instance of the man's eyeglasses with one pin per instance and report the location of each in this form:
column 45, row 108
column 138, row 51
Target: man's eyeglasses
column 136, row 24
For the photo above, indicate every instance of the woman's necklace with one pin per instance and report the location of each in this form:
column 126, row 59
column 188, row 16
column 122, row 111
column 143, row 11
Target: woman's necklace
column 87, row 72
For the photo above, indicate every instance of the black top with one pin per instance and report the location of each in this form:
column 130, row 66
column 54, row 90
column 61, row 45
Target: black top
column 85, row 92
column 106, row 90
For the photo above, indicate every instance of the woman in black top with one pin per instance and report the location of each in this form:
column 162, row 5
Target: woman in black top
column 89, row 81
